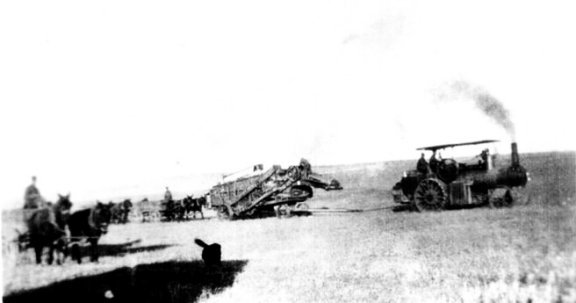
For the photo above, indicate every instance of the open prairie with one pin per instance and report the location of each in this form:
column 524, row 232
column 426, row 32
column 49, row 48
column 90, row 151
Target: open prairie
column 525, row 253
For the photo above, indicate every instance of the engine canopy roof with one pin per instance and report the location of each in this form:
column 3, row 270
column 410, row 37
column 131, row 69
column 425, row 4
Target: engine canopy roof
column 437, row 147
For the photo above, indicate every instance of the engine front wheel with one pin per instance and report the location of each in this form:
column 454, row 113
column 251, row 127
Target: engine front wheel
column 430, row 195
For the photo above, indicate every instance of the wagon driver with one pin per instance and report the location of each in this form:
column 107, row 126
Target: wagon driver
column 167, row 195
column 32, row 197
column 32, row 200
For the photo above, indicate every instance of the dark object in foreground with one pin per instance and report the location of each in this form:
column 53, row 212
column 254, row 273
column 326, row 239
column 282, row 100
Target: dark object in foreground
column 211, row 254
column 159, row 282
column 453, row 184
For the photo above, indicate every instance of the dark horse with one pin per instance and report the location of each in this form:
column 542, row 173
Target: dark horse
column 89, row 224
column 173, row 210
column 46, row 227
column 120, row 212
column 193, row 205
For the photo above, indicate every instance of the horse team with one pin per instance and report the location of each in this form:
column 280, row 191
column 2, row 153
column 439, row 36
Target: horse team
column 179, row 210
column 47, row 226
column 120, row 211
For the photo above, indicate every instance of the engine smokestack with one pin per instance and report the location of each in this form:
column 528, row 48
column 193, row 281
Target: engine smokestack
column 514, row 155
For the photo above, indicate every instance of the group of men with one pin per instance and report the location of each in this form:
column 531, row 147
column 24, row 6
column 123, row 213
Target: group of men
column 427, row 167
column 432, row 165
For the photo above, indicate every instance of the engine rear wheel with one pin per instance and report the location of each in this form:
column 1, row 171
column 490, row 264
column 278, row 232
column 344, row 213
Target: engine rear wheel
column 501, row 197
column 430, row 195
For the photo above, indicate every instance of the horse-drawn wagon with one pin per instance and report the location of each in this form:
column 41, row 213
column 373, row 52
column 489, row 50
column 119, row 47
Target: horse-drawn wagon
column 57, row 229
column 276, row 189
column 183, row 209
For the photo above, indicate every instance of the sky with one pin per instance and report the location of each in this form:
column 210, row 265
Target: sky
column 108, row 99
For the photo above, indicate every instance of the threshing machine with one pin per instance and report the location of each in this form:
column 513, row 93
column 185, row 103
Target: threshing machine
column 275, row 189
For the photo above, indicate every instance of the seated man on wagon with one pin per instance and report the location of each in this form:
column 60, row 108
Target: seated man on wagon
column 167, row 195
column 32, row 200
column 32, row 197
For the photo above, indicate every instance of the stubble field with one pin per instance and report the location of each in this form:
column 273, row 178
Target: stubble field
column 472, row 255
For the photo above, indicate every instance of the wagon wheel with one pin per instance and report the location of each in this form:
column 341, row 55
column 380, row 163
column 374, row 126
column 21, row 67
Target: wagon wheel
column 501, row 197
column 430, row 195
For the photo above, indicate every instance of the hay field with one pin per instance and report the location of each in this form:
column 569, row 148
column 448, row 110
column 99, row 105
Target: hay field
column 475, row 255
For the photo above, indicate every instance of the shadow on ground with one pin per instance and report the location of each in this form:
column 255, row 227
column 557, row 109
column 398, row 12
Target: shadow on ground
column 121, row 249
column 410, row 208
column 159, row 282
column 113, row 250
column 265, row 213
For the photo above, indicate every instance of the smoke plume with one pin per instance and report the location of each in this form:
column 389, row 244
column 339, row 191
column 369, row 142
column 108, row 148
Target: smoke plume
column 487, row 103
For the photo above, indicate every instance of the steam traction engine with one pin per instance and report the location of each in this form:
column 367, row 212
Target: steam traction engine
column 451, row 183
column 277, row 189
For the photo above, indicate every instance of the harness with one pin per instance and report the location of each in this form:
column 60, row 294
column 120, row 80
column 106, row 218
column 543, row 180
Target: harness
column 91, row 219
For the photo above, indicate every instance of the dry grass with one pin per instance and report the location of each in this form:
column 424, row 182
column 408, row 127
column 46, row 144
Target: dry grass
column 477, row 255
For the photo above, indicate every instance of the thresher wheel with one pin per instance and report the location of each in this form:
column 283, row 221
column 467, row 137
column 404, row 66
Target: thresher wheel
column 224, row 212
column 430, row 195
column 299, row 192
column 286, row 210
